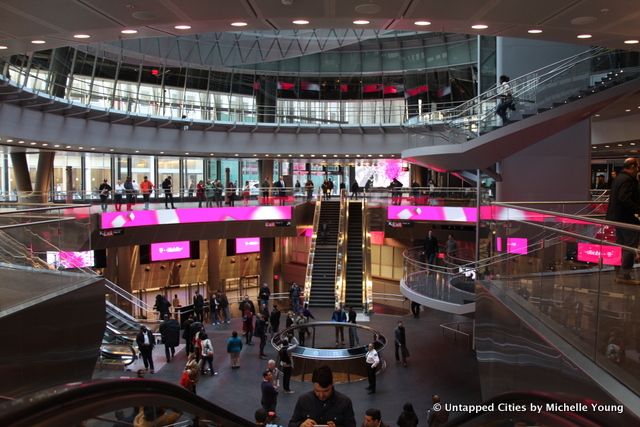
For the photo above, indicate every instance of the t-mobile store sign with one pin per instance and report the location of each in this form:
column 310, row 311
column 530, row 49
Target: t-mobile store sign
column 591, row 252
column 170, row 250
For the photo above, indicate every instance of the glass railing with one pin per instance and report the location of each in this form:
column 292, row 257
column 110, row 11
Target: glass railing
column 193, row 106
column 555, row 84
column 565, row 269
column 312, row 250
column 341, row 248
column 367, row 279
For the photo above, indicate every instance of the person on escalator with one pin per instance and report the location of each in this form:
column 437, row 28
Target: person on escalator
column 506, row 99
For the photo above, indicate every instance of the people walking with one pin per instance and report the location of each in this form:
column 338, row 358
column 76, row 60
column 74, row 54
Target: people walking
column 170, row 332
column 372, row 360
column 400, row 343
column 146, row 343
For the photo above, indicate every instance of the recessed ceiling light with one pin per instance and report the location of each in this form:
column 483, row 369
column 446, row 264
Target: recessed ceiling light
column 357, row 155
column 278, row 155
column 369, row 155
column 584, row 36
column 211, row 154
column 38, row 41
column 266, row 155
column 56, row 146
column 162, row 152
column 301, row 155
column 20, row 142
column 137, row 151
column 111, row 149
column 236, row 154
column 627, row 110
column 93, row 148
column 632, row 143
column 300, row 22
column 534, row 31
column 186, row 154
column 313, row 155
column 45, row 145
column 68, row 146
column 9, row 140
column 393, row 155
column 606, row 146
column 81, row 36
column 346, row 155
column 361, row 22
column 631, row 41
column 290, row 155
column 129, row 31
column 82, row 148
column 182, row 27
column 2, row 47
column 422, row 23
column 255, row 155
column 32, row 143
column 239, row 24
column 335, row 155
column 480, row 27
column 619, row 145
column 597, row 115
column 380, row 155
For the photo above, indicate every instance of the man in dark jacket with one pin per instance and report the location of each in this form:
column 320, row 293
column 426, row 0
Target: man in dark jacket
column 269, row 393
column 274, row 320
column 430, row 248
column 401, row 343
column 198, row 306
column 624, row 205
column 323, row 404
column 186, row 334
column 170, row 333
column 263, row 296
column 146, row 342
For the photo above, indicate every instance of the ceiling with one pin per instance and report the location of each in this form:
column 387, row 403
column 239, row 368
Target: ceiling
column 610, row 22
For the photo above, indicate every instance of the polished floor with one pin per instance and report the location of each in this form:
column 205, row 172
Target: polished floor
column 438, row 364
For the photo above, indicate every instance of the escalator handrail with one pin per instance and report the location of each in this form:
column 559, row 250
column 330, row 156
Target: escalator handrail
column 73, row 403
column 585, row 418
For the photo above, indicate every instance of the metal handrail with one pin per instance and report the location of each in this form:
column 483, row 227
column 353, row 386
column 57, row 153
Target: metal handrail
column 367, row 282
column 312, row 251
column 341, row 251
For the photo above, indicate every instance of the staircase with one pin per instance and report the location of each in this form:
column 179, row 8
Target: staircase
column 323, row 275
column 120, row 320
column 354, row 283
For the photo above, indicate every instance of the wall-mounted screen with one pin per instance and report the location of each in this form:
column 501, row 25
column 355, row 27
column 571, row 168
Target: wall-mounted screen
column 517, row 245
column 64, row 259
column 170, row 250
column 245, row 245
column 591, row 252
column 498, row 244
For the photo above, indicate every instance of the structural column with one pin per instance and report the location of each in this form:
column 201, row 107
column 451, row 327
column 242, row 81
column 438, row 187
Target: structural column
column 266, row 99
column 266, row 261
column 43, row 174
column 213, row 265
column 265, row 168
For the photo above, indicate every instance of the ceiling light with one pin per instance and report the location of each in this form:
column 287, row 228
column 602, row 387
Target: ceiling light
column 20, row 142
column 162, row 152
column 631, row 41
column 380, row 155
column 313, row 155
column 81, row 36
column 182, row 27
column 278, row 155
column 584, row 36
column 239, row 24
column 357, row 155
column 56, row 146
column 236, row 154
column 45, row 145
column 619, row 145
column 300, row 22
column 68, row 146
column 2, row 47
column 301, row 155
column 534, row 31
column 335, row 155
column 627, row 110
column 369, row 155
column 137, row 151
column 290, row 155
column 480, row 27
column 597, row 115
column 32, row 143
column 38, row 41
column 346, row 155
column 361, row 22
column 9, row 140
column 211, row 154
column 422, row 23
column 606, row 146
column 266, row 155
column 93, row 148
column 393, row 155
column 111, row 149
column 632, row 143
column 129, row 31
column 186, row 154
column 82, row 148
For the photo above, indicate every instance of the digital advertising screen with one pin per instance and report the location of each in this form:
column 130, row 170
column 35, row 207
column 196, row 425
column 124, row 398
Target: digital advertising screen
column 592, row 252
column 517, row 245
column 245, row 245
column 170, row 250
column 64, row 259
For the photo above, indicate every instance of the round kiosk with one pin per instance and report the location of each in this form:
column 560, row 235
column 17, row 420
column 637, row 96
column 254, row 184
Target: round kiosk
column 341, row 346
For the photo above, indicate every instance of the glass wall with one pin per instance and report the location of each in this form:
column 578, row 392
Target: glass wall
column 169, row 166
column 142, row 166
column 97, row 168
column 194, row 172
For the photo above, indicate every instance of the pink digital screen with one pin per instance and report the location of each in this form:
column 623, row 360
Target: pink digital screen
column 245, row 245
column 469, row 214
column 517, row 245
column 591, row 252
column 193, row 215
column 498, row 244
column 377, row 237
column 71, row 259
column 170, row 250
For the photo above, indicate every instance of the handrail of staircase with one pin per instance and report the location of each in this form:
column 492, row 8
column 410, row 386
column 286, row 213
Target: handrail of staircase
column 367, row 282
column 142, row 307
column 341, row 251
column 312, row 249
column 120, row 312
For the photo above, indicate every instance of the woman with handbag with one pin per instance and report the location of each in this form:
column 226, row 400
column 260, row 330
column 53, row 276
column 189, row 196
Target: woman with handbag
column 207, row 355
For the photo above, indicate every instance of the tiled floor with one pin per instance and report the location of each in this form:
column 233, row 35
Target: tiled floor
column 437, row 365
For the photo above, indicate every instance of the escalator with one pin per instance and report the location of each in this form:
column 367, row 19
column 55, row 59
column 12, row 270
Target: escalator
column 120, row 320
column 323, row 276
column 354, row 261
column 109, row 403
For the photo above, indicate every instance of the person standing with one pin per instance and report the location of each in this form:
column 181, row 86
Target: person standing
column 200, row 193
column 624, row 205
column 207, row 355
column 186, row 334
column 408, row 416
column 431, row 248
column 198, row 306
column 118, row 193
column 217, row 193
column 146, row 187
column 282, row 192
column 247, row 324
column 129, row 192
column 176, row 306
column 355, row 189
column 276, row 374
column 234, row 347
column 506, row 99
column 274, row 320
column 323, row 405
column 260, row 331
column 269, row 393
column 294, row 296
column 401, row 344
column 438, row 415
column 224, row 307
column 372, row 360
column 263, row 295
column 353, row 331
column 214, row 307
column 162, row 306
column 167, row 186
column 246, row 193
column 146, row 342
column 373, row 418
column 415, row 309
column 340, row 317
column 170, row 333
column 308, row 187
column 265, row 191
column 286, row 362
column 104, row 190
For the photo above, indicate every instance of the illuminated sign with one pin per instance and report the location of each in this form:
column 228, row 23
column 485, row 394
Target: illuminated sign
column 591, row 252
column 71, row 259
column 517, row 245
column 245, row 245
column 170, row 250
